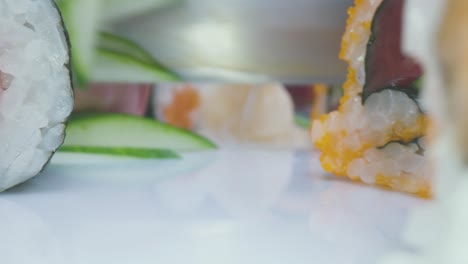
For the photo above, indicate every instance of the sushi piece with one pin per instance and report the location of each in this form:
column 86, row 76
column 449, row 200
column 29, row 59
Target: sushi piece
column 233, row 114
column 377, row 135
column 36, row 94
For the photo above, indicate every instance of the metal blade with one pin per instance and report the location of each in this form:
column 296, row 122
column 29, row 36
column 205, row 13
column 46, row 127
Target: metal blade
column 295, row 41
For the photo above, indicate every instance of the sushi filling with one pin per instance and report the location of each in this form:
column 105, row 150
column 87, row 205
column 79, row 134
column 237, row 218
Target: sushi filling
column 387, row 68
column 386, row 65
column 377, row 134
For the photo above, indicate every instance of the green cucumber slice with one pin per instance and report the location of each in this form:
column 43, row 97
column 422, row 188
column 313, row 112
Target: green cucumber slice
column 125, row 46
column 121, row 47
column 103, row 57
column 417, row 85
column 117, row 10
column 302, row 121
column 119, row 130
column 82, row 19
column 112, row 66
column 141, row 153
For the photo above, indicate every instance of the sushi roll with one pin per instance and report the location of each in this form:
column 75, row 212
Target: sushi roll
column 36, row 94
column 377, row 135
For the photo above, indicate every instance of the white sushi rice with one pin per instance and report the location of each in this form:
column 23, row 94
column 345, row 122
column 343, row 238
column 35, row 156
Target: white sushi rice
column 373, row 123
column 37, row 98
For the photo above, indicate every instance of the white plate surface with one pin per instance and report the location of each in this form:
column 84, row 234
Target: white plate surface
column 233, row 206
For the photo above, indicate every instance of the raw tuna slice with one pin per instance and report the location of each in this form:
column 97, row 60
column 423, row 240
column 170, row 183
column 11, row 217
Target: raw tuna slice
column 116, row 98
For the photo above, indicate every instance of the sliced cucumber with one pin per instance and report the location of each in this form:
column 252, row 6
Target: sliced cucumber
column 302, row 121
column 141, row 153
column 417, row 85
column 121, row 45
column 82, row 19
column 103, row 57
column 118, row 130
column 124, row 53
column 121, row 9
column 112, row 66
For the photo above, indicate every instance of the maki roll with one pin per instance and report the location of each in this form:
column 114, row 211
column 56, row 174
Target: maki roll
column 35, row 87
column 378, row 133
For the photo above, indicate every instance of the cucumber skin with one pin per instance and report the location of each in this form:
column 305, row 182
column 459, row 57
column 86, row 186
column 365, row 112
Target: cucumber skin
column 159, row 74
column 83, row 73
column 127, row 53
column 80, row 70
column 302, row 121
column 143, row 54
column 82, row 121
column 141, row 153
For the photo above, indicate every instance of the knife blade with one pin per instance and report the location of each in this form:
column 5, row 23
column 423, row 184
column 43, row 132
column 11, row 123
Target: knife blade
column 294, row 42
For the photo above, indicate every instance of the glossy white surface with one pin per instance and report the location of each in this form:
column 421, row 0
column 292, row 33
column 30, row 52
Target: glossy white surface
column 225, row 207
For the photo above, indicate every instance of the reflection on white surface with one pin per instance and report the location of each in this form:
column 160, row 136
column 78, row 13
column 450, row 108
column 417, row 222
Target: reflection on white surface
column 95, row 171
column 24, row 237
column 246, row 187
column 241, row 207
column 361, row 220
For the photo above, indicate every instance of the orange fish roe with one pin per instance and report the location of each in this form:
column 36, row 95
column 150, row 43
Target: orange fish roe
column 320, row 106
column 178, row 112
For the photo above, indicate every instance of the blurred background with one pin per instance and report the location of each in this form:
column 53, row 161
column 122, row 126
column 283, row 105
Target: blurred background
column 159, row 58
column 293, row 41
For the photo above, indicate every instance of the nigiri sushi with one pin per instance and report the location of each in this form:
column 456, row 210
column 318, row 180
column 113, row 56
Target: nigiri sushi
column 378, row 133
column 36, row 94
column 258, row 114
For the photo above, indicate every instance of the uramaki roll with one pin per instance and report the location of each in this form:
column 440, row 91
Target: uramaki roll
column 378, row 133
